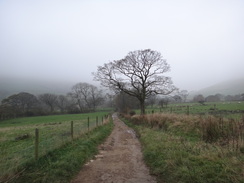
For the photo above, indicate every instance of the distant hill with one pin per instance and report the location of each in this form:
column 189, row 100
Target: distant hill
column 10, row 86
column 231, row 87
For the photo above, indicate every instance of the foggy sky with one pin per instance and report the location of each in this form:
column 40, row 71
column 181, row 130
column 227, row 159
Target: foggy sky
column 202, row 40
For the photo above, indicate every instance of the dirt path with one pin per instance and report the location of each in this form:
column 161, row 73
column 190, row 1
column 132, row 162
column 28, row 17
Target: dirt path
column 119, row 160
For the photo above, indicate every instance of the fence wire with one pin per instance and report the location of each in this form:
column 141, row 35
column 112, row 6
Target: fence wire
column 16, row 152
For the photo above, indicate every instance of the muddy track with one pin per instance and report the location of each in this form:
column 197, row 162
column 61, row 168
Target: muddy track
column 119, row 160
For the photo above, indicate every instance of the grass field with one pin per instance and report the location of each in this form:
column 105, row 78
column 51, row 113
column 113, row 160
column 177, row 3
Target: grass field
column 191, row 148
column 17, row 137
column 223, row 109
column 61, row 165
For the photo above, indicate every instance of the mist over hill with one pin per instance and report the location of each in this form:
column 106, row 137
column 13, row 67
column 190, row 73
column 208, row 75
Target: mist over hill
column 231, row 87
column 10, row 86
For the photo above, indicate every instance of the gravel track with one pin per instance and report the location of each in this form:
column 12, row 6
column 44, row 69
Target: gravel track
column 119, row 160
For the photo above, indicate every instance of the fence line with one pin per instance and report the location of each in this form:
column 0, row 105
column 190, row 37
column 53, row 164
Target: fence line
column 90, row 126
column 208, row 109
column 226, row 132
column 46, row 139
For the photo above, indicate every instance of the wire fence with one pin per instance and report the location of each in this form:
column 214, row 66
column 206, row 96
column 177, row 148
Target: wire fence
column 208, row 109
column 37, row 142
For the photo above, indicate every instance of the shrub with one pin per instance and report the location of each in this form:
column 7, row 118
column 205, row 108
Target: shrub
column 132, row 113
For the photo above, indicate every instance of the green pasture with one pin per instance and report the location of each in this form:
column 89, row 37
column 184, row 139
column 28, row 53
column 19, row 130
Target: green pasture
column 224, row 109
column 47, row 119
column 63, row 164
column 17, row 136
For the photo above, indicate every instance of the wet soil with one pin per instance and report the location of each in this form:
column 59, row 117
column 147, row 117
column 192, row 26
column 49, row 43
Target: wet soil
column 119, row 160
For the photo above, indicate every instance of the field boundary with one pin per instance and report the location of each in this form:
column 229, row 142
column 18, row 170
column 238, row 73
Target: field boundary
column 40, row 142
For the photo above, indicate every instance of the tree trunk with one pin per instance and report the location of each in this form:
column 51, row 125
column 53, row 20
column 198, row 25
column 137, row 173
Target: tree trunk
column 79, row 104
column 142, row 104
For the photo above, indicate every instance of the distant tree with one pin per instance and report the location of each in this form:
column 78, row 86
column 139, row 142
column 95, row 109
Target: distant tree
column 177, row 98
column 164, row 102
column 62, row 103
column 7, row 112
column 109, row 98
column 151, row 100
column 237, row 97
column 49, row 99
column 96, row 97
column 87, row 96
column 78, row 97
column 21, row 103
column 125, row 103
column 140, row 74
column 72, row 107
column 183, row 94
column 199, row 98
column 242, row 96
column 229, row 98
column 220, row 96
column 212, row 98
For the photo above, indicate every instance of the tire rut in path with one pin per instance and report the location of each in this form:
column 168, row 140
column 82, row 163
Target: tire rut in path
column 119, row 160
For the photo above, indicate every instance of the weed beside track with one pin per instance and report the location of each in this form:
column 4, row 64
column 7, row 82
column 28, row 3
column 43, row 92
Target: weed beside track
column 176, row 148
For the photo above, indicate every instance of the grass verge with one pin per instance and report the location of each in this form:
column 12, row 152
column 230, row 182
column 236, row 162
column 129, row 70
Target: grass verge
column 62, row 164
column 178, row 154
column 17, row 137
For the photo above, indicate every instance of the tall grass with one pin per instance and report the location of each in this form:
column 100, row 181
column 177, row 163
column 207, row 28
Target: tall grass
column 182, row 148
column 228, row 133
column 210, row 129
column 221, row 109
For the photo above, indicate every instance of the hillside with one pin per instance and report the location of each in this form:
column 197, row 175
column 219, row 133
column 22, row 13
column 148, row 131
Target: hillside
column 231, row 87
column 10, row 86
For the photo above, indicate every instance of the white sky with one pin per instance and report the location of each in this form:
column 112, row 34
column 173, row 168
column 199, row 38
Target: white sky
column 202, row 40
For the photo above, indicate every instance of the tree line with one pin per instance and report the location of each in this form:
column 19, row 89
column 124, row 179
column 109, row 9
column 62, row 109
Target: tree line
column 140, row 74
column 217, row 98
column 83, row 97
column 138, row 80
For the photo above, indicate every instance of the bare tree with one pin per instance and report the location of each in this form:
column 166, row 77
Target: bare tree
column 242, row 96
column 125, row 103
column 49, row 99
column 21, row 103
column 139, row 74
column 109, row 100
column 95, row 97
column 151, row 100
column 199, row 98
column 212, row 98
column 62, row 103
column 184, row 94
column 164, row 102
column 77, row 96
column 87, row 96
column 177, row 98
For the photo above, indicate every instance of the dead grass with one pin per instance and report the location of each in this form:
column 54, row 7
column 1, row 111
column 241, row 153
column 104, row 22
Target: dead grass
column 182, row 148
column 228, row 133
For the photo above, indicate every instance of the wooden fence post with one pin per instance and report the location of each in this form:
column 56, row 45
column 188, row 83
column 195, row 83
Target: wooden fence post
column 102, row 120
column 36, row 143
column 96, row 121
column 72, row 130
column 88, row 123
column 188, row 110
